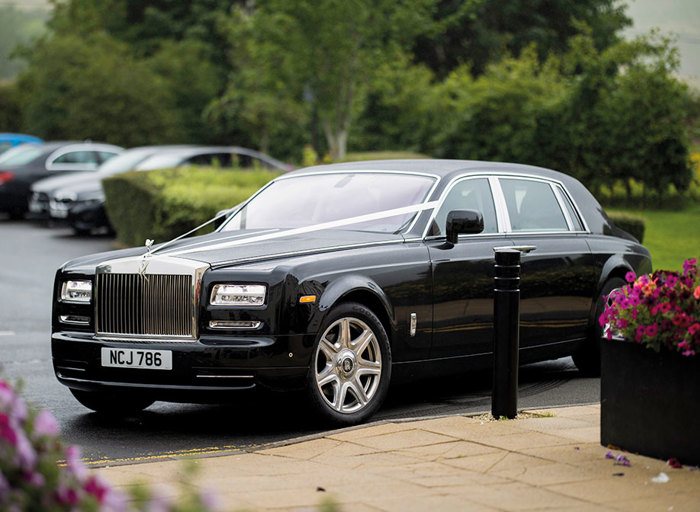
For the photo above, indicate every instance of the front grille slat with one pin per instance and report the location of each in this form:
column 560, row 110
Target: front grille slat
column 152, row 305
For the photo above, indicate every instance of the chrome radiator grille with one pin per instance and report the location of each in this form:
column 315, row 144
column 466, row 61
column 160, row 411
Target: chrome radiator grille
column 151, row 305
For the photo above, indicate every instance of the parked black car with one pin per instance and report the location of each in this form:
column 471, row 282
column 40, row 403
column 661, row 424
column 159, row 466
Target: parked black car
column 338, row 279
column 80, row 202
column 31, row 162
column 43, row 190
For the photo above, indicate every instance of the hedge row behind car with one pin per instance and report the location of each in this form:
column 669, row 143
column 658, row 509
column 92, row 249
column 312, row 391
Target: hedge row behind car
column 633, row 224
column 166, row 203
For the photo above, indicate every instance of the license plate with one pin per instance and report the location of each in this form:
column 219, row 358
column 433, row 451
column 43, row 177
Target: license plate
column 137, row 358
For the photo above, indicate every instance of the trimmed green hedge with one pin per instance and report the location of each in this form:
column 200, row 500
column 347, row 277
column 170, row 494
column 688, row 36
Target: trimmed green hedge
column 633, row 224
column 166, row 203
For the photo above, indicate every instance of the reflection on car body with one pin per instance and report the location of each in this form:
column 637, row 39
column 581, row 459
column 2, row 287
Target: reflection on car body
column 338, row 279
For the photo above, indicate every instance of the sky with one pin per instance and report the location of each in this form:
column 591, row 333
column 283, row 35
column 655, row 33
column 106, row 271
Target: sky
column 680, row 17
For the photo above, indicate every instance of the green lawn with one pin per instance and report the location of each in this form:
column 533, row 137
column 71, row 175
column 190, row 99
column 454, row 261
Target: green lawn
column 671, row 236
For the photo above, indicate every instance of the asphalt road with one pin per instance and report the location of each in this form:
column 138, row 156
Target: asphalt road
column 30, row 253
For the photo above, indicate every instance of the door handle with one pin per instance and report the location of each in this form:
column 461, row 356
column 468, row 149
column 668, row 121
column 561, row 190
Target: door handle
column 521, row 248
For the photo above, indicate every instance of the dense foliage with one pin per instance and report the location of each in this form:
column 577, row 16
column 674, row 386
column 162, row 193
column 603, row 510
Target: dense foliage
column 546, row 82
column 174, row 201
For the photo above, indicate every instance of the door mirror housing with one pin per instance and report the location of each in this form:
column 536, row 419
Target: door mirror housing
column 469, row 222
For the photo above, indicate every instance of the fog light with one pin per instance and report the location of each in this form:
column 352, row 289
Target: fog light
column 231, row 324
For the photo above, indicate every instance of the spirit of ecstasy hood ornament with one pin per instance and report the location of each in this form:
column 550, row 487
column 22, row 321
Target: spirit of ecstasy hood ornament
column 145, row 260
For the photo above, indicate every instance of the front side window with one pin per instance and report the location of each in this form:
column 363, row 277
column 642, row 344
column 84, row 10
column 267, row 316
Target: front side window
column 469, row 194
column 532, row 206
column 303, row 201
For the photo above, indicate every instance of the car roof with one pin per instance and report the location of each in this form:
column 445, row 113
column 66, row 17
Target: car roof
column 439, row 167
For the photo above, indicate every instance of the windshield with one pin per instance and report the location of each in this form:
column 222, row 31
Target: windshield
column 315, row 199
column 21, row 155
column 124, row 162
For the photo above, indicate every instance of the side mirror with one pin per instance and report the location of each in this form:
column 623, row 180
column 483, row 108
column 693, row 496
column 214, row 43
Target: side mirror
column 469, row 222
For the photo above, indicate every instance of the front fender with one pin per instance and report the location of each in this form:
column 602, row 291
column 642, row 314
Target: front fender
column 355, row 288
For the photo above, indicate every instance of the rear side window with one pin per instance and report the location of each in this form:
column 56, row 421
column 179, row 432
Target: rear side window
column 532, row 206
column 77, row 157
column 469, row 194
column 576, row 223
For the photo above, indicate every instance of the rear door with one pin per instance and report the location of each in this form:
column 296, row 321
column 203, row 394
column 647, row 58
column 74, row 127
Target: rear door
column 558, row 278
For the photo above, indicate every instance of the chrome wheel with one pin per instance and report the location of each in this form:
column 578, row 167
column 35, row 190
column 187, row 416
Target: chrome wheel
column 348, row 365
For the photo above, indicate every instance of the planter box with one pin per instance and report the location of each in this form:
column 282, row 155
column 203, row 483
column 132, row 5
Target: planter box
column 650, row 403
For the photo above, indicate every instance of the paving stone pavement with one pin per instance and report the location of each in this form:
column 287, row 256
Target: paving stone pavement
column 544, row 460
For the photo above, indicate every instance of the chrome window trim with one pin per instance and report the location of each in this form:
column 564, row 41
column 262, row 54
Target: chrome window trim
column 561, row 189
column 450, row 186
column 562, row 206
column 499, row 201
column 407, row 229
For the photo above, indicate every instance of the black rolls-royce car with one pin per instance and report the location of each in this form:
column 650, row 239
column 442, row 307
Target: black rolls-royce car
column 337, row 279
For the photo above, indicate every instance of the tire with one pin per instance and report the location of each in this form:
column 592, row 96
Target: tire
column 350, row 366
column 112, row 403
column 587, row 357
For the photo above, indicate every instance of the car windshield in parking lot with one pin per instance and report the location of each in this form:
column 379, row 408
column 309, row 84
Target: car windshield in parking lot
column 21, row 154
column 303, row 201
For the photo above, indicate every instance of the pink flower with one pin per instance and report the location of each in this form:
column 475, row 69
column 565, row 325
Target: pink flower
column 26, row 456
column 688, row 353
column 75, row 464
column 45, row 424
column 97, row 488
column 7, row 432
column 696, row 293
column 652, row 329
column 630, row 277
column 694, row 328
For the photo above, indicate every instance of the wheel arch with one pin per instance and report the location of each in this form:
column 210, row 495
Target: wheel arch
column 364, row 291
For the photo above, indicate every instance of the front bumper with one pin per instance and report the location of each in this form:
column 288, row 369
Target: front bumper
column 203, row 370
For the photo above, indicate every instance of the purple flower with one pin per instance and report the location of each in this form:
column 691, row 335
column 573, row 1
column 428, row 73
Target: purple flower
column 609, row 455
column 622, row 460
column 630, row 277
column 45, row 424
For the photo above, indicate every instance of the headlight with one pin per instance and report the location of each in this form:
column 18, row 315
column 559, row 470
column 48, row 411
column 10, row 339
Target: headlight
column 238, row 295
column 76, row 291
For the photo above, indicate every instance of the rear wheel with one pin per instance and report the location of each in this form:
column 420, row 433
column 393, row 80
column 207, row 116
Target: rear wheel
column 351, row 365
column 587, row 357
column 112, row 403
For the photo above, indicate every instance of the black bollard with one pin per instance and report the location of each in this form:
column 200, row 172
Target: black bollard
column 506, row 329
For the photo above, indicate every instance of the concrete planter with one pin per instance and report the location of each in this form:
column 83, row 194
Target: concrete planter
column 650, row 403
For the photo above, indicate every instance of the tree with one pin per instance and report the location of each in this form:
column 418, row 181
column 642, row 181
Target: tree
column 329, row 49
column 91, row 87
column 480, row 32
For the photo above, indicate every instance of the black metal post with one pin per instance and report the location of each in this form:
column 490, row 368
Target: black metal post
column 506, row 328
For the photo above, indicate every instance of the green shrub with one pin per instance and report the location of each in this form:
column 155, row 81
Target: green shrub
column 166, row 203
column 633, row 224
